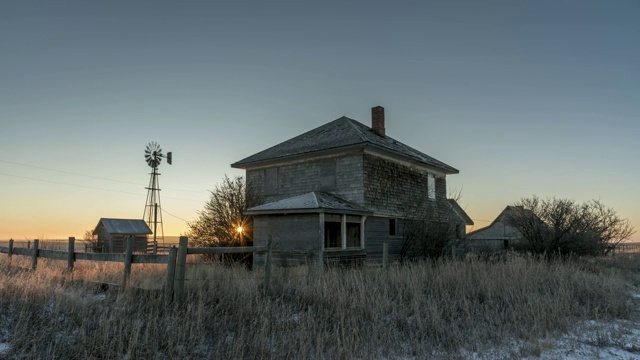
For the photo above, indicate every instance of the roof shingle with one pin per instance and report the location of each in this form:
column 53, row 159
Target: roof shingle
column 340, row 133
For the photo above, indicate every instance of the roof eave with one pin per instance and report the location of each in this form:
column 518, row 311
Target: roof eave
column 288, row 158
column 306, row 211
column 448, row 170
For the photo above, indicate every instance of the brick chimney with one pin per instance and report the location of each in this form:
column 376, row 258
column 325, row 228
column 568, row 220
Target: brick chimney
column 377, row 120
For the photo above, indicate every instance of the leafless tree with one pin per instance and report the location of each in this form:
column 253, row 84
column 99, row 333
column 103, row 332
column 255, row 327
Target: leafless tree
column 91, row 242
column 222, row 222
column 562, row 226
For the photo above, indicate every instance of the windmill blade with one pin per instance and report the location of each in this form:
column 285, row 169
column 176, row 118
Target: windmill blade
column 169, row 155
column 153, row 154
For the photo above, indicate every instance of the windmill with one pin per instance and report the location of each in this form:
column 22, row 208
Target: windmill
column 152, row 210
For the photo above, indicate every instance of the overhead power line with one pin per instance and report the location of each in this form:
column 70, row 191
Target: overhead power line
column 68, row 184
column 91, row 176
column 170, row 214
column 90, row 187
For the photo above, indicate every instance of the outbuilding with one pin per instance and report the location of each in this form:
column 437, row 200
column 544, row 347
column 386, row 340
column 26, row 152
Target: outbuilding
column 112, row 235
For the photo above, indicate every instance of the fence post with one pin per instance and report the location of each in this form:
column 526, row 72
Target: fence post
column 385, row 255
column 181, row 266
column 155, row 247
column 171, row 273
column 71, row 256
column 267, row 265
column 34, row 254
column 127, row 261
column 10, row 252
column 28, row 244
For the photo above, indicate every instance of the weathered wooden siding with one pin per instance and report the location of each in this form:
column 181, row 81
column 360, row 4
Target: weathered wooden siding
column 376, row 232
column 299, row 232
column 498, row 236
column 387, row 188
column 397, row 190
column 342, row 176
column 119, row 244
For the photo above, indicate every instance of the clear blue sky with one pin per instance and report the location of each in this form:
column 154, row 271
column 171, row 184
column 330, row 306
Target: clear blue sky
column 523, row 97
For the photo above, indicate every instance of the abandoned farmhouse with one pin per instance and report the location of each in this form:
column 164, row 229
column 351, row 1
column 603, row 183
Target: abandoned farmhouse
column 344, row 189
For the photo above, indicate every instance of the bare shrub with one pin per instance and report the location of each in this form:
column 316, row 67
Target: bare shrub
column 562, row 226
column 430, row 231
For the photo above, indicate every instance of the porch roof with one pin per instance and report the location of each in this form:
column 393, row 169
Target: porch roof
column 311, row 202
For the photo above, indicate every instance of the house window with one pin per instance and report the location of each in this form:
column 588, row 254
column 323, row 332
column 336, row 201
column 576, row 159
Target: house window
column 353, row 235
column 342, row 231
column 431, row 186
column 332, row 233
column 393, row 227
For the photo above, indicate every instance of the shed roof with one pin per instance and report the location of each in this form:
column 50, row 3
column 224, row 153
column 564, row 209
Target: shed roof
column 336, row 135
column 124, row 226
column 312, row 202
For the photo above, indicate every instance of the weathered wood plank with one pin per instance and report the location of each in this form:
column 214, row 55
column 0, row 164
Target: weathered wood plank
column 128, row 256
column 100, row 257
column 34, row 255
column 149, row 259
column 53, row 254
column 23, row 251
column 70, row 253
column 171, row 273
column 181, row 263
column 227, row 250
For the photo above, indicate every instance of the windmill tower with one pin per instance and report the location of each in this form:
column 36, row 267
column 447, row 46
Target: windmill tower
column 152, row 210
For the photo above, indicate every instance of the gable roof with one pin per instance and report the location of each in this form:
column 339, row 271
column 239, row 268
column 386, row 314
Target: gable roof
column 123, row 226
column 460, row 211
column 311, row 202
column 502, row 218
column 340, row 134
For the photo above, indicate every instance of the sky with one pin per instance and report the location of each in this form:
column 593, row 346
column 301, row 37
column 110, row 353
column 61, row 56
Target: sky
column 523, row 97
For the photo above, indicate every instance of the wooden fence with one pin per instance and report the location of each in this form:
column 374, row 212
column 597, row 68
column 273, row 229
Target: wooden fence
column 628, row 247
column 176, row 259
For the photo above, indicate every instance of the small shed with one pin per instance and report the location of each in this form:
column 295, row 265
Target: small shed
column 113, row 233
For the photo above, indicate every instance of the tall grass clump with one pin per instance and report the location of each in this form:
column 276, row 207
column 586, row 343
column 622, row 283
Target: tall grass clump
column 422, row 310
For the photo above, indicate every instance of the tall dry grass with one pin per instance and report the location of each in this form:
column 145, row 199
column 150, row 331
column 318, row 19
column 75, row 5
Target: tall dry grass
column 421, row 310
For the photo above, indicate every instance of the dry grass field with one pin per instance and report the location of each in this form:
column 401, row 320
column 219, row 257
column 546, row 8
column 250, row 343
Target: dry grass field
column 499, row 308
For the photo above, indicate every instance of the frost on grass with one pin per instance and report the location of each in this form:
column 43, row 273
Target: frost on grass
column 518, row 308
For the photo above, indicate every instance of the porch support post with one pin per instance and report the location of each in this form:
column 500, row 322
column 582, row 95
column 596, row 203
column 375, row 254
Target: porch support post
column 343, row 231
column 362, row 219
column 321, row 240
